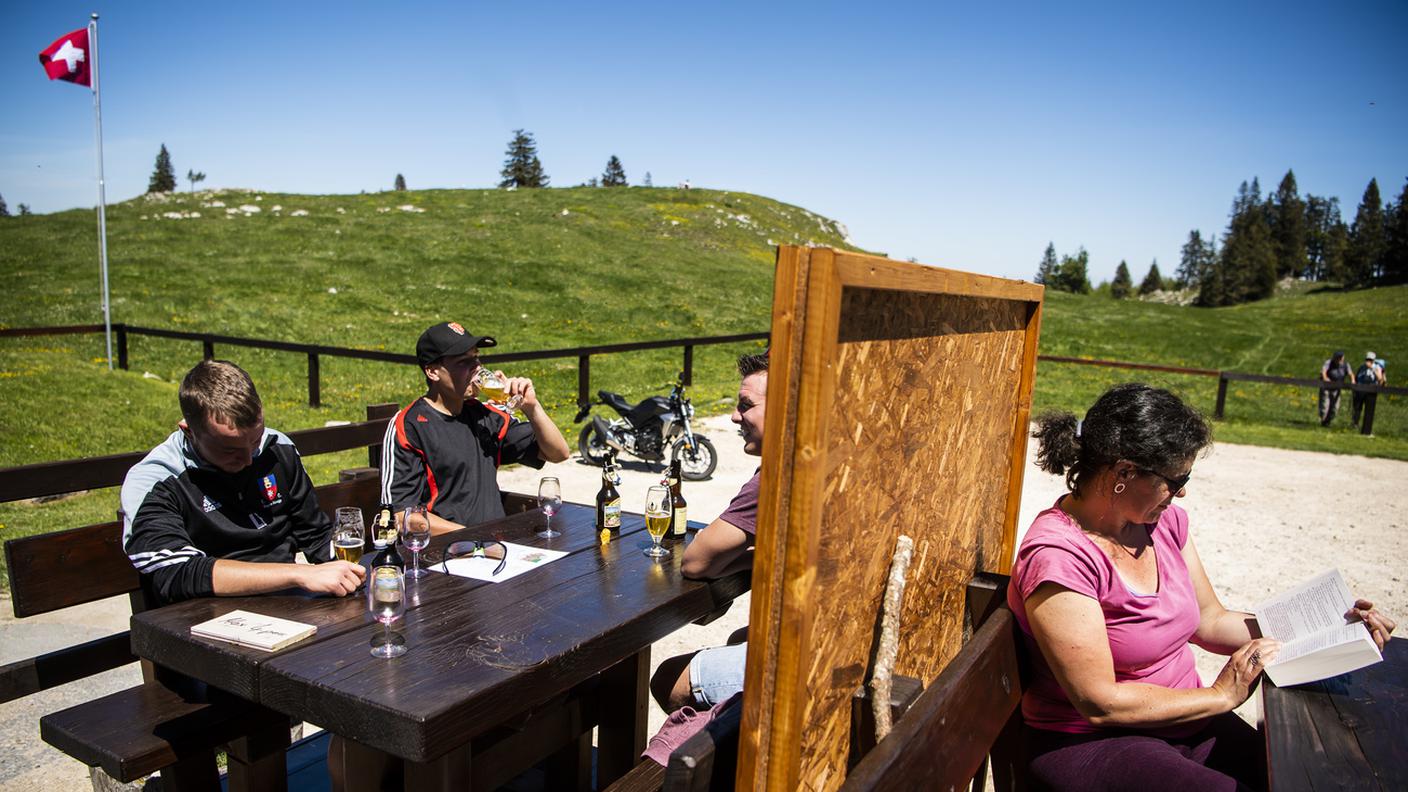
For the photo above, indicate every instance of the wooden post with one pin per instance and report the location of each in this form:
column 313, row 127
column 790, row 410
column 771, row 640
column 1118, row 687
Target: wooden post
column 687, row 375
column 121, row 346
column 208, row 349
column 1221, row 395
column 1367, row 428
column 584, row 380
column 315, row 396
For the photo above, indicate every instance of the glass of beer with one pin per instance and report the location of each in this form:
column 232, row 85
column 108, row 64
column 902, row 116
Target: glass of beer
column 493, row 387
column 415, row 535
column 386, row 599
column 349, row 535
column 550, row 501
column 657, row 519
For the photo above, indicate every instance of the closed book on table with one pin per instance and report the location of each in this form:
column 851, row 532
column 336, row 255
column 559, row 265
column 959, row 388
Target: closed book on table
column 254, row 630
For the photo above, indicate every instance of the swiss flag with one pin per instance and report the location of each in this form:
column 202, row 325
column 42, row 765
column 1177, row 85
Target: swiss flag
column 69, row 59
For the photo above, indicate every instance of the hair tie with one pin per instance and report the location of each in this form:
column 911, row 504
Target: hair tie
column 1079, row 422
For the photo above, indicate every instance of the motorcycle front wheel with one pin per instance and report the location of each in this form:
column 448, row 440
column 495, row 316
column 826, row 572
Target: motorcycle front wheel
column 696, row 465
column 592, row 445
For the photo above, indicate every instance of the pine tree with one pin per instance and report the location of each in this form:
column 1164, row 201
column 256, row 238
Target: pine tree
column 1196, row 260
column 1324, row 259
column 1071, row 273
column 400, row 184
column 1364, row 259
column 521, row 165
column 614, row 175
column 24, row 210
column 163, row 176
column 4, row 210
column 1248, row 262
column 194, row 177
column 1288, row 228
column 1396, row 251
column 1153, row 281
column 1047, row 266
column 647, row 182
column 1122, row 285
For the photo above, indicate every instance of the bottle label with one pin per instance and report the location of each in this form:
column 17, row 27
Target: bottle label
column 679, row 521
column 384, row 529
column 611, row 514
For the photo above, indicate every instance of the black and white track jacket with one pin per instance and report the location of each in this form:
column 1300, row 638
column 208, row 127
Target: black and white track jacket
column 181, row 514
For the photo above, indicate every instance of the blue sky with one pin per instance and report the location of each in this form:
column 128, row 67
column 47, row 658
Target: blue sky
column 965, row 136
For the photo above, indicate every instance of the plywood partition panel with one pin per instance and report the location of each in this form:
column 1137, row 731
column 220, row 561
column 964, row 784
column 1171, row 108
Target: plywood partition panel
column 898, row 401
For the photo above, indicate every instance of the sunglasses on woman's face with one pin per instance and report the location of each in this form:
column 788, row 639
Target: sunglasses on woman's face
column 475, row 549
column 1174, row 484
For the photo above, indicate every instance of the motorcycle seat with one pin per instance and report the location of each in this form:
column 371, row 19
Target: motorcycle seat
column 614, row 401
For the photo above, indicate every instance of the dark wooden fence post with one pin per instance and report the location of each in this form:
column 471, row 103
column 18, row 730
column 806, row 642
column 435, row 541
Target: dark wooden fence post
column 1367, row 428
column 121, row 346
column 1221, row 395
column 687, row 376
column 315, row 394
column 584, row 380
column 208, row 349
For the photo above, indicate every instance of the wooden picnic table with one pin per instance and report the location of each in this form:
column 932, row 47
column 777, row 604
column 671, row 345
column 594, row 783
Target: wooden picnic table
column 483, row 657
column 1346, row 732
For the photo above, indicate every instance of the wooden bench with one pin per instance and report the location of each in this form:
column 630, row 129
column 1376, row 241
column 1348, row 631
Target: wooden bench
column 149, row 727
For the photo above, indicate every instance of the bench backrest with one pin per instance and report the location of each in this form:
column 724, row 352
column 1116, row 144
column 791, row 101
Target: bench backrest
column 971, row 710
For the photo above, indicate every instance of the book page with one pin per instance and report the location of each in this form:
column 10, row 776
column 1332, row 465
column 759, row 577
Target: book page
column 1324, row 639
column 254, row 630
column 1317, row 604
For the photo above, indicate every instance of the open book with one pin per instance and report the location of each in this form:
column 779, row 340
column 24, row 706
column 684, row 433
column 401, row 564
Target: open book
column 1317, row 642
column 251, row 629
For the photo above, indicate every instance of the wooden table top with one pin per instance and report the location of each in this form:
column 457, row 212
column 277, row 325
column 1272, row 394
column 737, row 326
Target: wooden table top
column 479, row 652
column 1346, row 732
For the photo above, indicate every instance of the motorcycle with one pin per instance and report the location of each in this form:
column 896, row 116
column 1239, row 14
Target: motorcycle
column 648, row 430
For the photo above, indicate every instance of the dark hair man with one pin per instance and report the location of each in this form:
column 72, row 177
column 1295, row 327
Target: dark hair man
column 709, row 677
column 445, row 449
column 223, row 505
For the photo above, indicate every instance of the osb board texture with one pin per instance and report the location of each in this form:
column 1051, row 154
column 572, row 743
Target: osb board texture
column 920, row 436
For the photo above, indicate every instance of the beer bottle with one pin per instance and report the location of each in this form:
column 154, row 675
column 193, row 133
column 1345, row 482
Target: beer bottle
column 679, row 510
column 384, row 539
column 608, row 499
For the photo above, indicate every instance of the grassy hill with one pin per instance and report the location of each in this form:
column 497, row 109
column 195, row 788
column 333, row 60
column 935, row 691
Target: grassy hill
column 538, row 269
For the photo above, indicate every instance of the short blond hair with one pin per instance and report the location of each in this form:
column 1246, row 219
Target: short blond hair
column 222, row 391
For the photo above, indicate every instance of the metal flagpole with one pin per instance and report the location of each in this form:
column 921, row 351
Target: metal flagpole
column 102, row 192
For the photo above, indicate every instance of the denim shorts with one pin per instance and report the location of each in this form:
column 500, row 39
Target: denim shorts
column 717, row 673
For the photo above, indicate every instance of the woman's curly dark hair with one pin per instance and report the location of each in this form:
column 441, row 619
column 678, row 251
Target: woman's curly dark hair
column 1150, row 427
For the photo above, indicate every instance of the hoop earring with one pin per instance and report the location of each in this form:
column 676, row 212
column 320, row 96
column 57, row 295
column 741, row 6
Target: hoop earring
column 1119, row 488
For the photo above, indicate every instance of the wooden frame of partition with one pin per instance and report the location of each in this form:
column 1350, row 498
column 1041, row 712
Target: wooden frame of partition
column 898, row 402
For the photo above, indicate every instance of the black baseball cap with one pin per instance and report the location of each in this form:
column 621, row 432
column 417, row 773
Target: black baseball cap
column 446, row 339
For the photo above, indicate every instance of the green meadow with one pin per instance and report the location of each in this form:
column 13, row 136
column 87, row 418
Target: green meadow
column 542, row 269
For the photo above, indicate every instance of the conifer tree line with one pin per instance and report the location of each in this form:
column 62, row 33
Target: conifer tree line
column 1283, row 235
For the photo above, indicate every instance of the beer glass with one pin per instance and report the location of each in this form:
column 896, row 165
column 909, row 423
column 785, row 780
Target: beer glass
column 349, row 535
column 494, row 388
column 550, row 501
column 415, row 535
column 657, row 519
column 386, row 599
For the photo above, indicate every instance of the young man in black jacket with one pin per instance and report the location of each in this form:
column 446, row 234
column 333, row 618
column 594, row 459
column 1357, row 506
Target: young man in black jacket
column 222, row 506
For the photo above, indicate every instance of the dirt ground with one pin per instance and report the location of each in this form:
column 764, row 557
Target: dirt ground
column 1262, row 519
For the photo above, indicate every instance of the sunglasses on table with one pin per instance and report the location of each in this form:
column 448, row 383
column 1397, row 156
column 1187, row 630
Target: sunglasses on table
column 475, row 549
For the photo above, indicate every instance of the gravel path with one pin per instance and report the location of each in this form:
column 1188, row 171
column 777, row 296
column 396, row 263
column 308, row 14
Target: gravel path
column 1262, row 519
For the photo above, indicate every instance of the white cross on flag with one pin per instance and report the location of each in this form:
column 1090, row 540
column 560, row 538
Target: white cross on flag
column 67, row 59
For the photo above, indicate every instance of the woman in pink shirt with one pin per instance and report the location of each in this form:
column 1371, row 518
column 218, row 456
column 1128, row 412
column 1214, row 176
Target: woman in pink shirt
column 1108, row 591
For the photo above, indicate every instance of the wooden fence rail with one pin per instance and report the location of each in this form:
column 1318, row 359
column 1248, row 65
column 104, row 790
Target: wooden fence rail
column 316, row 351
column 584, row 355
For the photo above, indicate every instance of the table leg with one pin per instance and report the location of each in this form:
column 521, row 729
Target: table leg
column 259, row 760
column 196, row 772
column 625, row 695
column 449, row 772
column 354, row 767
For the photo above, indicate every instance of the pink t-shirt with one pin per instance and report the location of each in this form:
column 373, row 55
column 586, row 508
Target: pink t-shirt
column 1148, row 631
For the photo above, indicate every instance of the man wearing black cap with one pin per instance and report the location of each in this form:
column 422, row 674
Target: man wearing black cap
column 444, row 450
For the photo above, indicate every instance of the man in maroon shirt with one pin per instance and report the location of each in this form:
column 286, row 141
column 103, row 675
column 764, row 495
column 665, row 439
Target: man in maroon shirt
column 703, row 679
